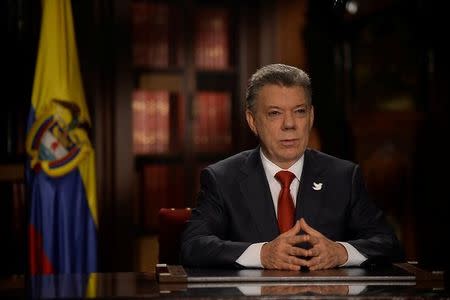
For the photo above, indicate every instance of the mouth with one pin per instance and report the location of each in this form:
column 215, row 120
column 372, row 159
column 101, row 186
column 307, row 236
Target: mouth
column 289, row 142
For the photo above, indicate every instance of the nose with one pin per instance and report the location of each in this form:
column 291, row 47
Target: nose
column 288, row 120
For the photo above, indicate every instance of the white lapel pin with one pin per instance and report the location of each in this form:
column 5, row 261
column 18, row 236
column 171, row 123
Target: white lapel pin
column 317, row 186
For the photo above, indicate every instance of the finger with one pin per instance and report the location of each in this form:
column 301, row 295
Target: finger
column 320, row 266
column 294, row 260
column 297, row 239
column 314, row 240
column 296, row 251
column 320, row 262
column 287, row 266
column 288, row 262
column 293, row 231
column 308, row 229
column 315, row 262
column 314, row 251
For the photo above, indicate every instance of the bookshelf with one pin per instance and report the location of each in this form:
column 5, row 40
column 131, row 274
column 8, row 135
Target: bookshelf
column 184, row 101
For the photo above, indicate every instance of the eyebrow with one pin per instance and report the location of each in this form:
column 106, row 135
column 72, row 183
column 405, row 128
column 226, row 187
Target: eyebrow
column 297, row 106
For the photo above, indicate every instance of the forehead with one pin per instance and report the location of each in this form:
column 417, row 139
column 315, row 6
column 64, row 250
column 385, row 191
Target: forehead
column 279, row 95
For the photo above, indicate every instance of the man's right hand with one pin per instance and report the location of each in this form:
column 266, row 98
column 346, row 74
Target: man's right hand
column 282, row 254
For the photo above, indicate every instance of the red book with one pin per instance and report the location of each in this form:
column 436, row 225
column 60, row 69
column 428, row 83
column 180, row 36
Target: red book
column 158, row 31
column 151, row 121
column 178, row 139
column 201, row 123
column 162, row 120
column 213, row 121
column 138, row 117
column 150, row 33
column 139, row 25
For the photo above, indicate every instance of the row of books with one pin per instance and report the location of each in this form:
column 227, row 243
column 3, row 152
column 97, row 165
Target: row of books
column 154, row 39
column 158, row 122
column 211, row 48
column 151, row 121
column 158, row 34
column 211, row 127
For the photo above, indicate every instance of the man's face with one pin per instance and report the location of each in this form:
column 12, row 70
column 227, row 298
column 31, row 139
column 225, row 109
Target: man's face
column 282, row 119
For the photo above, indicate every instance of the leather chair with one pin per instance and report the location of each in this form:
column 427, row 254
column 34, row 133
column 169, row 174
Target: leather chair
column 172, row 222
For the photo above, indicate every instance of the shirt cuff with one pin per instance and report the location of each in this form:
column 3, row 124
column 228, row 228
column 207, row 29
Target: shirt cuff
column 251, row 258
column 354, row 257
column 356, row 289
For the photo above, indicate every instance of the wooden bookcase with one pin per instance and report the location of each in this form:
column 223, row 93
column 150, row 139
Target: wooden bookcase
column 185, row 99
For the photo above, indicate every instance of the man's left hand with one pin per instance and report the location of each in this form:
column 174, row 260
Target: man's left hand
column 324, row 253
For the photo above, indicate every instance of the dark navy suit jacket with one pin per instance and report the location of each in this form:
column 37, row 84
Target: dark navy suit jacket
column 235, row 209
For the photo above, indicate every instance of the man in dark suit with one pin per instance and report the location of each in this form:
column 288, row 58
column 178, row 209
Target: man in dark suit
column 239, row 221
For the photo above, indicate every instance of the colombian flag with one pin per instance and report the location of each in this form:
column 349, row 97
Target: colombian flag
column 62, row 229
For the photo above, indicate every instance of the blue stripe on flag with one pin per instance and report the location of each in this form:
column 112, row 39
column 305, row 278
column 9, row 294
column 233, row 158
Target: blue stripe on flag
column 60, row 210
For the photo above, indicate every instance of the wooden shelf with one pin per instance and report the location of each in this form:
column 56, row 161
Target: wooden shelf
column 154, row 70
column 12, row 172
column 163, row 158
column 171, row 81
column 216, row 80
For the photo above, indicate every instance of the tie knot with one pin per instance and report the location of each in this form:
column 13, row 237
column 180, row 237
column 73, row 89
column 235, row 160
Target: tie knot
column 285, row 178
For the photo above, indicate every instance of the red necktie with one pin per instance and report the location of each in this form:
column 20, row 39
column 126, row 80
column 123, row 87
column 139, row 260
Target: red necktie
column 285, row 203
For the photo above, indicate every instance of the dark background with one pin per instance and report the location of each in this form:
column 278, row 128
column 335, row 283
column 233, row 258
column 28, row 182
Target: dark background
column 380, row 89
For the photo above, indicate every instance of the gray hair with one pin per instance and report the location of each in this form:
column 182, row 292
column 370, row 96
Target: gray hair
column 278, row 74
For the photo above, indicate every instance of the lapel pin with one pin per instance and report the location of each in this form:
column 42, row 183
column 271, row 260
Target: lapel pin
column 317, row 186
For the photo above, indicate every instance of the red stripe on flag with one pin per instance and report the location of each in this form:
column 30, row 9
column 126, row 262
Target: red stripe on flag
column 39, row 262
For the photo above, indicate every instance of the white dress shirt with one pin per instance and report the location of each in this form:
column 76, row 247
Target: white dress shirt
column 251, row 257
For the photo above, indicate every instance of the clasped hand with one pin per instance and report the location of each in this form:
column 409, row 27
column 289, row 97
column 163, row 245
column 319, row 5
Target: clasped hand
column 283, row 253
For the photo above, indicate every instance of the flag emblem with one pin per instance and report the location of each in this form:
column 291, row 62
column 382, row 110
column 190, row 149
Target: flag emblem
column 58, row 140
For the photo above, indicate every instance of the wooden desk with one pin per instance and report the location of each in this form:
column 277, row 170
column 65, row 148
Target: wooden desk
column 146, row 285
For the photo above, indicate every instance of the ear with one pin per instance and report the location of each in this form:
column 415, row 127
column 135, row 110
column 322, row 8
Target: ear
column 251, row 121
column 311, row 118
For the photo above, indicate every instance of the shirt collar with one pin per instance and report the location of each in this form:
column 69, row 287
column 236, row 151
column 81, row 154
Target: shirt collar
column 271, row 169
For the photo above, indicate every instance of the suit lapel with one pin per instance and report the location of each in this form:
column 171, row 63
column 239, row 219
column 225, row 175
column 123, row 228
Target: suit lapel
column 256, row 192
column 309, row 197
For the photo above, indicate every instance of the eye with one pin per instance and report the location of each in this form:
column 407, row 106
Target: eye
column 301, row 111
column 273, row 113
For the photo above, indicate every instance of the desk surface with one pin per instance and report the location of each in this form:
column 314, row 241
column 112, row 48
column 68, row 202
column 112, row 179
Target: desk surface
column 145, row 285
column 382, row 274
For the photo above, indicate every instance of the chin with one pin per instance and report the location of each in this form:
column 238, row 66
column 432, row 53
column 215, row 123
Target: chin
column 291, row 153
column 289, row 158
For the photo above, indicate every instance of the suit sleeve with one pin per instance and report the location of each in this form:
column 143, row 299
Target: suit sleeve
column 370, row 232
column 204, row 241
